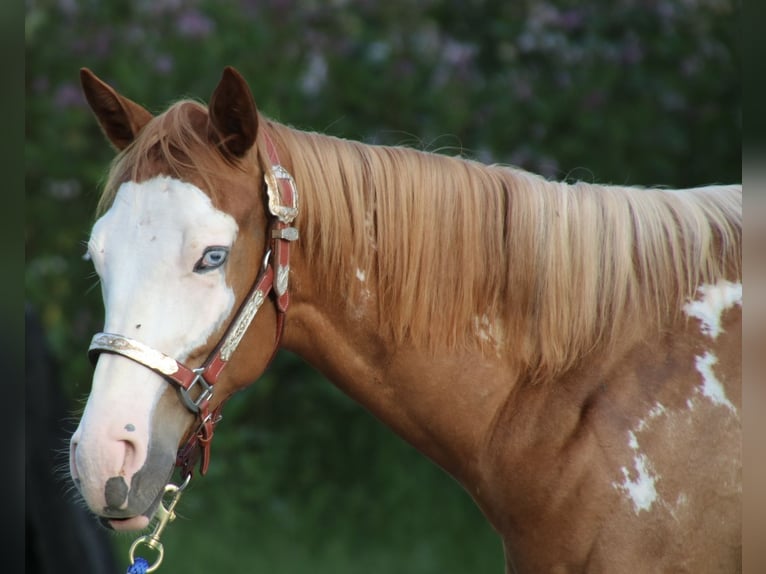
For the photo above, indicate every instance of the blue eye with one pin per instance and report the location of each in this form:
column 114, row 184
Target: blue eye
column 212, row 258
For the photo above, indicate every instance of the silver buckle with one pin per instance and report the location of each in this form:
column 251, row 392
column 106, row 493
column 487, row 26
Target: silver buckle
column 285, row 213
column 207, row 391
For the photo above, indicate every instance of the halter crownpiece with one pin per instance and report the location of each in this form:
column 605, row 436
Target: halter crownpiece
column 283, row 207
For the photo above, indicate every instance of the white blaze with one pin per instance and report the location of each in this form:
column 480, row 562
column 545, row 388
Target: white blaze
column 144, row 249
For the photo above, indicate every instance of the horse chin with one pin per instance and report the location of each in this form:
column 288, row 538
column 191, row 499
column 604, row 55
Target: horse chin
column 127, row 524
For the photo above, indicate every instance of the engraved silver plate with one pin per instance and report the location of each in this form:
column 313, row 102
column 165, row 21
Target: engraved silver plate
column 285, row 213
column 134, row 350
column 283, row 274
column 243, row 322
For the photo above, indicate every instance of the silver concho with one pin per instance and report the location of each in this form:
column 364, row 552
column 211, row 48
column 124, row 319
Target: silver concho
column 285, row 213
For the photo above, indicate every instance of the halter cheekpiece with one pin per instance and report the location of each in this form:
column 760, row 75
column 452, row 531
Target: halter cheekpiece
column 195, row 385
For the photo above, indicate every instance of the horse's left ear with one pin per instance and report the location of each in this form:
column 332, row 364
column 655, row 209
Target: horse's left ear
column 233, row 114
column 121, row 119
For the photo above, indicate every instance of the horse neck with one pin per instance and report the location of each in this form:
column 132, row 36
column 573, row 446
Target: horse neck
column 432, row 397
column 435, row 349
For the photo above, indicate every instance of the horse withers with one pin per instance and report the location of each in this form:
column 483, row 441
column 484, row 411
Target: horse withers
column 569, row 352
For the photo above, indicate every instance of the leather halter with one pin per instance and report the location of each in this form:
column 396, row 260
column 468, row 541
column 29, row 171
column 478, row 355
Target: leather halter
column 274, row 274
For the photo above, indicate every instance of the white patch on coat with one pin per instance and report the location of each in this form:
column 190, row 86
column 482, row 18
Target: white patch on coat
column 711, row 386
column 488, row 331
column 653, row 413
column 639, row 485
column 361, row 307
column 679, row 508
column 713, row 301
column 641, row 489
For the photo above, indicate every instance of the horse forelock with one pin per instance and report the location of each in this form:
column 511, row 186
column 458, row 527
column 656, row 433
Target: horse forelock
column 460, row 253
column 176, row 143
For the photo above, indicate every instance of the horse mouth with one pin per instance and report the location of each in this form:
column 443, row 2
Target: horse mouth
column 139, row 522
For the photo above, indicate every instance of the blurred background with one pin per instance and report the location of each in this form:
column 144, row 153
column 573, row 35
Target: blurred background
column 636, row 92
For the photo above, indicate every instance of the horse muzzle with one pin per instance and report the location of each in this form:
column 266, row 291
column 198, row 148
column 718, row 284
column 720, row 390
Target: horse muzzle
column 119, row 485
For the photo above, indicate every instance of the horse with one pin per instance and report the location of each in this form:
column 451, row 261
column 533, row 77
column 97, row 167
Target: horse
column 569, row 352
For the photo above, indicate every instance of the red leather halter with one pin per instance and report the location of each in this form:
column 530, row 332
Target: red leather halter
column 274, row 274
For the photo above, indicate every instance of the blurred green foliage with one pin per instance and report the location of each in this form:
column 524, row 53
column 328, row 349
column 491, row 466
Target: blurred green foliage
column 617, row 91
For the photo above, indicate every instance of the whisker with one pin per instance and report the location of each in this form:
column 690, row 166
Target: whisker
column 94, row 285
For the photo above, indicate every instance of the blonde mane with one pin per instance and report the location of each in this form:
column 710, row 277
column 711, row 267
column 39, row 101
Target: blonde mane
column 458, row 253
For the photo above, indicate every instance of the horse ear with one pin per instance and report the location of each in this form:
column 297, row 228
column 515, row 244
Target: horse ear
column 120, row 118
column 233, row 114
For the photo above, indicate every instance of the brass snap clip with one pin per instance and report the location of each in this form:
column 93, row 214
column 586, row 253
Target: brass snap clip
column 165, row 515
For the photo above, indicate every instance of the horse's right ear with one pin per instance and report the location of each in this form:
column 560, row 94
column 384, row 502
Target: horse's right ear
column 120, row 118
column 233, row 115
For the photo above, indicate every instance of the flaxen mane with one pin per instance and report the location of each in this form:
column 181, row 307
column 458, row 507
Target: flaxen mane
column 457, row 252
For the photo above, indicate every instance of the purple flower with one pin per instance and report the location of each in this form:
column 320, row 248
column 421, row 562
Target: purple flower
column 68, row 96
column 68, row 7
column 164, row 64
column 571, row 19
column 40, row 84
column 594, row 100
column 157, row 7
column 315, row 75
column 458, row 53
column 194, row 24
column 102, row 43
column 632, row 51
column 691, row 66
column 522, row 89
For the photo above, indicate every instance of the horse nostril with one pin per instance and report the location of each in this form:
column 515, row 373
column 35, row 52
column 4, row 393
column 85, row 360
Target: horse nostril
column 129, row 457
column 116, row 492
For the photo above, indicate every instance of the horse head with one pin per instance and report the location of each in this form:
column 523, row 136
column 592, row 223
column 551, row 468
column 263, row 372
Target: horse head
column 182, row 228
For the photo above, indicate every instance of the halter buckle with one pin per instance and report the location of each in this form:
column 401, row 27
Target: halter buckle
column 194, row 405
column 285, row 213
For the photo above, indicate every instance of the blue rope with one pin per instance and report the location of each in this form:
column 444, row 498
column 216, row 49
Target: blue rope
column 138, row 567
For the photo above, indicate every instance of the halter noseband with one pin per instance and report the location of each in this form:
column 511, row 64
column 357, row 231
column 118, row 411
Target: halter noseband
column 283, row 206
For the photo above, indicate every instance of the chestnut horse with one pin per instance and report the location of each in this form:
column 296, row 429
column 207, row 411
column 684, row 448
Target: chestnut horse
column 569, row 352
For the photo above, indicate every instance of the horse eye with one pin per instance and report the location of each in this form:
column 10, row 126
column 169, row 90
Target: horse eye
column 212, row 258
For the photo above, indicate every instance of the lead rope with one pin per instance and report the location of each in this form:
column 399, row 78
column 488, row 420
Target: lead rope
column 140, row 566
column 165, row 515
